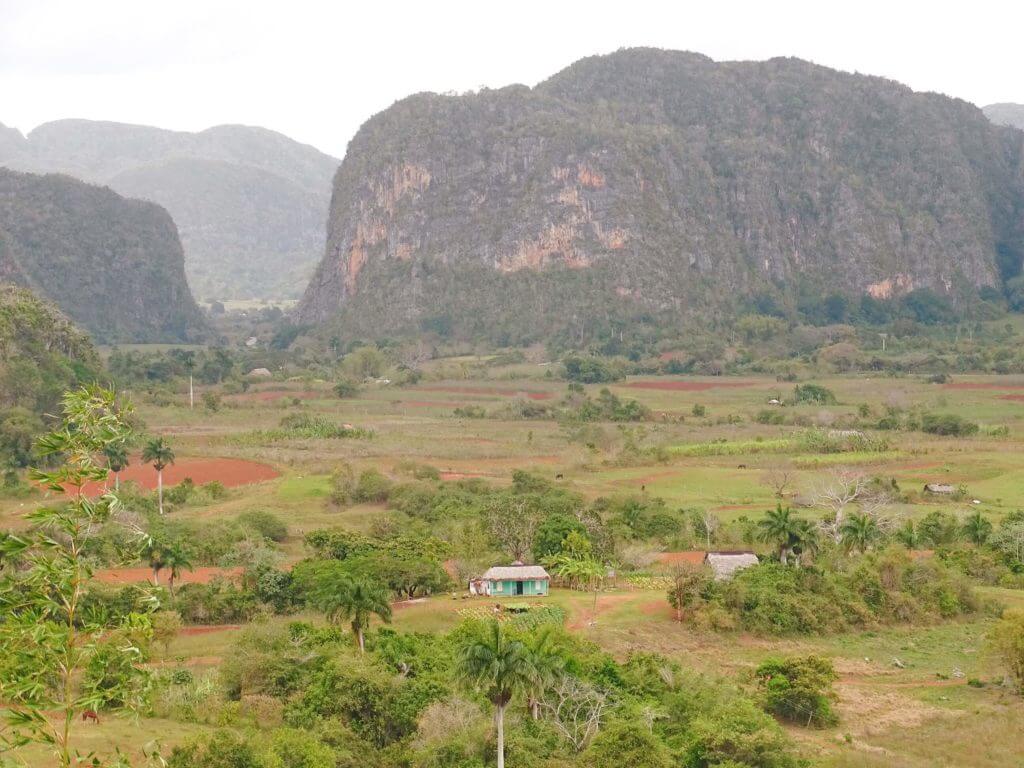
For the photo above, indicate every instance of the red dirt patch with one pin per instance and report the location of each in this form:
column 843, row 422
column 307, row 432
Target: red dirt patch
column 460, row 475
column 267, row 395
column 984, row 385
column 140, row 575
column 1015, row 398
column 229, row 472
column 532, row 394
column 692, row 557
column 688, row 386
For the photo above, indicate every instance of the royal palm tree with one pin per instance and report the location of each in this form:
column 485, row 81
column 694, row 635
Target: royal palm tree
column 780, row 529
column 117, row 459
column 355, row 600
column 155, row 554
column 909, row 536
column 158, row 453
column 859, row 532
column 499, row 666
column 977, row 528
column 805, row 540
column 177, row 558
column 546, row 664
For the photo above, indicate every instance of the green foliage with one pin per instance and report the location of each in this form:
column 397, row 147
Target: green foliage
column 591, row 370
column 1007, row 640
column 302, row 426
column 346, row 388
column 57, row 660
column 266, row 524
column 628, row 743
column 799, row 689
column 948, row 424
column 609, row 407
column 814, row 394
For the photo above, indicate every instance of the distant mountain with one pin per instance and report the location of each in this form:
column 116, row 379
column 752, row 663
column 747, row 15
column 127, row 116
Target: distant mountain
column 662, row 184
column 250, row 204
column 1006, row 114
column 41, row 355
column 112, row 264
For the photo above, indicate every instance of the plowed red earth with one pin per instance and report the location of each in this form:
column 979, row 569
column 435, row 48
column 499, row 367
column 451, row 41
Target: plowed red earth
column 229, row 472
column 485, row 391
column 267, row 395
column 688, row 386
column 984, row 385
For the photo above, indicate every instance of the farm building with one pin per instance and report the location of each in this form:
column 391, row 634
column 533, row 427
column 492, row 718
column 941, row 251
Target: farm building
column 941, row 489
column 515, row 579
column 725, row 564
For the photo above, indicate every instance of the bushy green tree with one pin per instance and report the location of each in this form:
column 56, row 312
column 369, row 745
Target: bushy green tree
column 799, row 689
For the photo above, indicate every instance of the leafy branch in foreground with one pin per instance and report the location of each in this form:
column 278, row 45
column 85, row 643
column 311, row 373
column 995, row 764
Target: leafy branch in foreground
column 58, row 660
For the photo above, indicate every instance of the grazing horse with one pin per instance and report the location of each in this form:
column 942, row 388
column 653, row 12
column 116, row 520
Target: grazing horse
column 90, row 714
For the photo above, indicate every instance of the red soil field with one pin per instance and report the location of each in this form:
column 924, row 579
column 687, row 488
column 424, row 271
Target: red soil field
column 688, row 386
column 230, row 472
column 533, row 395
column 139, row 575
column 267, row 395
column 1015, row 398
column 984, row 385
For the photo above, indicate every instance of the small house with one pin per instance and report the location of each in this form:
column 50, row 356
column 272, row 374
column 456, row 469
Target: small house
column 724, row 565
column 516, row 579
column 940, row 489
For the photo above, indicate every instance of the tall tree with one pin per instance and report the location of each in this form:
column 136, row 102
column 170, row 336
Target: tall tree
column 546, row 665
column 499, row 666
column 346, row 598
column 977, row 528
column 177, row 558
column 50, row 648
column 781, row 529
column 117, row 459
column 859, row 532
column 158, row 453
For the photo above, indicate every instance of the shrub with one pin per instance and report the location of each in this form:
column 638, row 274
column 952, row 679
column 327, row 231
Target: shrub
column 1007, row 639
column 947, row 424
column 698, row 410
column 799, row 689
column 813, row 393
column 346, row 388
column 627, row 744
column 591, row 370
column 266, row 524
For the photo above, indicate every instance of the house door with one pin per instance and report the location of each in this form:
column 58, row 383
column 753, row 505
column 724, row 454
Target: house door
column 519, row 587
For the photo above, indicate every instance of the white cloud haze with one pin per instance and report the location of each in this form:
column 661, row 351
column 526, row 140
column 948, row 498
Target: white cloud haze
column 316, row 70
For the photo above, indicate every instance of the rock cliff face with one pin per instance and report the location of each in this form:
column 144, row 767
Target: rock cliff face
column 250, row 204
column 115, row 266
column 661, row 182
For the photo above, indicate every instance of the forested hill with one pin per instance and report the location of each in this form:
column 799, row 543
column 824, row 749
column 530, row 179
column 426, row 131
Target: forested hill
column 1006, row 114
column 115, row 266
column 250, row 204
column 659, row 183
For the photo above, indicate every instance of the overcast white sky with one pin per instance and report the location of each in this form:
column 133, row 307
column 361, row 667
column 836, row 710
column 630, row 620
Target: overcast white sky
column 317, row 70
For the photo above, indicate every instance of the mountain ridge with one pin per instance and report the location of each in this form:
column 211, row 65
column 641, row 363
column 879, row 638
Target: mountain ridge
column 664, row 182
column 251, row 212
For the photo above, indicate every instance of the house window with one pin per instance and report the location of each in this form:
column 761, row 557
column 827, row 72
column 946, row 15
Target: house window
column 539, row 585
column 497, row 586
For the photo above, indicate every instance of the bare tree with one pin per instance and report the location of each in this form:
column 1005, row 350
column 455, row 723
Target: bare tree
column 576, row 709
column 513, row 524
column 415, row 355
column 705, row 524
column 779, row 477
column 845, row 488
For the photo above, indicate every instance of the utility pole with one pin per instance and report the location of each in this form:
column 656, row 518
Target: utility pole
column 884, row 337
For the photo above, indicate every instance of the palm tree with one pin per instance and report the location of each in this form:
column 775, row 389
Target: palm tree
column 158, row 453
column 805, row 540
column 177, row 558
column 859, row 532
column 155, row 553
column 977, row 528
column 909, row 536
column 546, row 664
column 346, row 598
column 781, row 529
column 500, row 666
column 117, row 460
column 580, row 572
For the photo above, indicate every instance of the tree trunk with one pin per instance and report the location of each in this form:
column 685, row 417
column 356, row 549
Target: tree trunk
column 784, row 555
column 499, row 717
column 170, row 584
column 359, row 637
column 156, row 575
column 160, row 489
column 117, row 481
column 191, row 398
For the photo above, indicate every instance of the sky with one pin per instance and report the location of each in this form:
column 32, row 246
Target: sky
column 316, row 71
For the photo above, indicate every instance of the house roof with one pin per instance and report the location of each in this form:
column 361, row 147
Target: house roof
column 725, row 564
column 514, row 572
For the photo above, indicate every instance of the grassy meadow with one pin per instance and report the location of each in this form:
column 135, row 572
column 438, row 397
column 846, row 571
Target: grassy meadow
column 908, row 696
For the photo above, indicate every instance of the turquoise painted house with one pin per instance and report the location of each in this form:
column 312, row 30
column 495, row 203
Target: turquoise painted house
column 515, row 580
